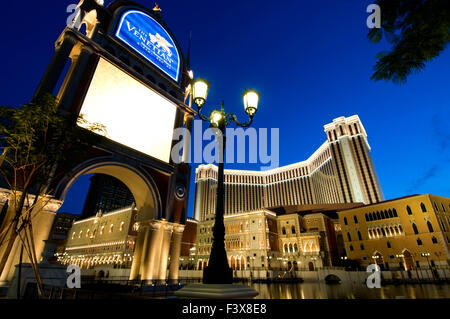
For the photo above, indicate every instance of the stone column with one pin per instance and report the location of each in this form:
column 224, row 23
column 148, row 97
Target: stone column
column 150, row 250
column 138, row 252
column 175, row 252
column 166, row 236
column 80, row 60
column 187, row 138
column 57, row 64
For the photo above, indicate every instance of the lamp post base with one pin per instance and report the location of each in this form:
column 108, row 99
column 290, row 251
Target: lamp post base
column 216, row 291
column 213, row 275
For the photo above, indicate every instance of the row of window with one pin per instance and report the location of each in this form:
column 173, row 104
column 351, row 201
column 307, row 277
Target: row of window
column 390, row 213
column 384, row 214
column 434, row 240
column 386, row 231
column 283, row 230
column 443, row 207
column 88, row 232
column 290, row 249
column 389, row 231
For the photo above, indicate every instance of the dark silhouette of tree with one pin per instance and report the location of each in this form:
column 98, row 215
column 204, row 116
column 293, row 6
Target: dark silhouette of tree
column 418, row 30
column 34, row 139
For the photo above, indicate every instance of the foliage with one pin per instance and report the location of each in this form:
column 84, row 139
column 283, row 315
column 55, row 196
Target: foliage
column 34, row 139
column 418, row 30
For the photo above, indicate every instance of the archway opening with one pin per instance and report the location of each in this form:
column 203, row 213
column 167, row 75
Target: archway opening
column 112, row 199
column 408, row 260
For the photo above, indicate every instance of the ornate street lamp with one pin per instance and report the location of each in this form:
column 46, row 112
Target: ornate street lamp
column 426, row 255
column 218, row 270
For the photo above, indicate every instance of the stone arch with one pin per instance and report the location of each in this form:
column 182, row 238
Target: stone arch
column 408, row 260
column 140, row 184
column 379, row 260
column 233, row 263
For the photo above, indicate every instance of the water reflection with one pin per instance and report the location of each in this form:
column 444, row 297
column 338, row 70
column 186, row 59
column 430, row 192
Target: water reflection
column 313, row 290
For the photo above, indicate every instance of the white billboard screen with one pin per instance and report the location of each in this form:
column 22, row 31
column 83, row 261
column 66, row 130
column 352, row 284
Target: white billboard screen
column 133, row 114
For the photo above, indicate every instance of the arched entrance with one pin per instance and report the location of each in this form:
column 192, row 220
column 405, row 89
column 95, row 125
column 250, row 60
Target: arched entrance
column 379, row 260
column 233, row 263
column 153, row 240
column 408, row 260
column 141, row 185
column 311, row 266
column 242, row 263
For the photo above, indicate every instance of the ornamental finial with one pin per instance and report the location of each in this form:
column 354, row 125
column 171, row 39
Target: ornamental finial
column 157, row 8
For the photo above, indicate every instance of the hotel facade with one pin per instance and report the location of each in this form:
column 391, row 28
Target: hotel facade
column 287, row 238
column 340, row 171
column 407, row 233
column 280, row 218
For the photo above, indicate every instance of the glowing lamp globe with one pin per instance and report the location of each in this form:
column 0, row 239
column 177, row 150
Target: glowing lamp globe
column 251, row 99
column 200, row 91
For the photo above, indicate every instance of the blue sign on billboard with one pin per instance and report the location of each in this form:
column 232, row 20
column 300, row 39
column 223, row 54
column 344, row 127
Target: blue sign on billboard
column 147, row 37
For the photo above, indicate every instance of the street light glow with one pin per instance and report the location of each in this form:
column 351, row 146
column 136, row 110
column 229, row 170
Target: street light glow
column 200, row 91
column 251, row 99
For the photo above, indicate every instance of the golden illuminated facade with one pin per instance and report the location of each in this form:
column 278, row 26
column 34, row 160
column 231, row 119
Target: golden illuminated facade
column 105, row 239
column 251, row 240
column 289, row 238
column 408, row 232
column 340, row 171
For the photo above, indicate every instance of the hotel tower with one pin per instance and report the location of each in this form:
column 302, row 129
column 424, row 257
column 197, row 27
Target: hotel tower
column 341, row 170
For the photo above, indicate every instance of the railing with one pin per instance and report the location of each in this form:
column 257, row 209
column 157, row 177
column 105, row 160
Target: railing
column 106, row 289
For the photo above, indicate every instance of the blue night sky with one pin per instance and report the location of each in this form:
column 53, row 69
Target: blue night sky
column 311, row 62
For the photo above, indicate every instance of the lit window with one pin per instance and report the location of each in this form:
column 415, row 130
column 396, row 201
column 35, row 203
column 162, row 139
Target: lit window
column 111, row 228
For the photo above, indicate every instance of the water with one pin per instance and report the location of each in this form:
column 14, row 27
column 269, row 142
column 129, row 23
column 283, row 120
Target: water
column 313, row 290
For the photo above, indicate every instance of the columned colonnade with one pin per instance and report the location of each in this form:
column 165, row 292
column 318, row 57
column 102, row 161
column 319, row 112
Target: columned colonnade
column 158, row 242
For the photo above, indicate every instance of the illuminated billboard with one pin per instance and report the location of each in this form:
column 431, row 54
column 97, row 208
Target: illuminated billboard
column 133, row 114
column 148, row 38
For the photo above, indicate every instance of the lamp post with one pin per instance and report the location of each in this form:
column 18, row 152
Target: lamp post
column 426, row 255
column 343, row 260
column 218, row 270
column 399, row 257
